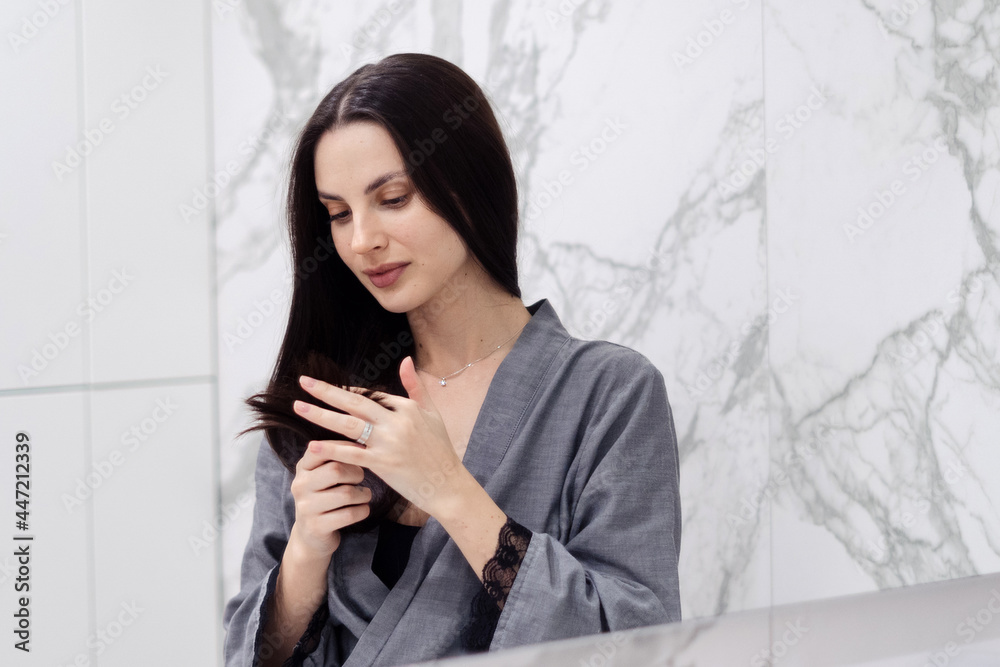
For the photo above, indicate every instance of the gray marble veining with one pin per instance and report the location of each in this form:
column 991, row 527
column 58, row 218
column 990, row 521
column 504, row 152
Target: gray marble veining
column 827, row 446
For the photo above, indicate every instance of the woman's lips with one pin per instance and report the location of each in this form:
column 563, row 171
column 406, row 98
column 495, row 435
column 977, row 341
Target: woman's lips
column 387, row 278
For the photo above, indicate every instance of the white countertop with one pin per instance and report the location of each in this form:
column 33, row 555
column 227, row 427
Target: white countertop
column 950, row 623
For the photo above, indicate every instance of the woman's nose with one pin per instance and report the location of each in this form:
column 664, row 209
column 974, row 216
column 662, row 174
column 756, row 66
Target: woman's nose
column 368, row 234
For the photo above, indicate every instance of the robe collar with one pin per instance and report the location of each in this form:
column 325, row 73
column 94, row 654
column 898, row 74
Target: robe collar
column 512, row 389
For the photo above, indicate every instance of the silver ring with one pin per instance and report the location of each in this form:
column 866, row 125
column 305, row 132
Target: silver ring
column 365, row 433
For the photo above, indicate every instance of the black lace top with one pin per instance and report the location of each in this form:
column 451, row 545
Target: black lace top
column 392, row 552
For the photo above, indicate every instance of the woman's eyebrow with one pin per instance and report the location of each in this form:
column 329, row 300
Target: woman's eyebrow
column 374, row 185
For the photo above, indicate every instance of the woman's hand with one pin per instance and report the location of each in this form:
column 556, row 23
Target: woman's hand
column 408, row 448
column 327, row 498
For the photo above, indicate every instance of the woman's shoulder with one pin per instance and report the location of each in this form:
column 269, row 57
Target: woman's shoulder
column 611, row 360
column 604, row 356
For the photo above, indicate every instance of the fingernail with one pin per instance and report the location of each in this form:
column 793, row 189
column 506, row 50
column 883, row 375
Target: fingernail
column 301, row 406
column 307, row 381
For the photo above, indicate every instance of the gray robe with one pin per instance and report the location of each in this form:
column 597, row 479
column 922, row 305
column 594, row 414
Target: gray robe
column 575, row 440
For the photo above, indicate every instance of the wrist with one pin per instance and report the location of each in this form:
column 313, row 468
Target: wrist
column 300, row 555
column 462, row 496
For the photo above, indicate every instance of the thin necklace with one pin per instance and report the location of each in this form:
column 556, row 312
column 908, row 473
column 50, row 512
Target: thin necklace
column 443, row 381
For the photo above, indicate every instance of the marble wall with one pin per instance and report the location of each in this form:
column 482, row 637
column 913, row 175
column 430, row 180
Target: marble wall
column 790, row 208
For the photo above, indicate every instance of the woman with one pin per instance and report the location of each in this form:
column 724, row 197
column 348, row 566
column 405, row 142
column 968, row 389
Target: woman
column 445, row 470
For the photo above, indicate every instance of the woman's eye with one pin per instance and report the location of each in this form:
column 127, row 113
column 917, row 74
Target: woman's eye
column 395, row 202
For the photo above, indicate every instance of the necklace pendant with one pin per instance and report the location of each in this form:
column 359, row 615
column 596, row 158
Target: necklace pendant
column 443, row 383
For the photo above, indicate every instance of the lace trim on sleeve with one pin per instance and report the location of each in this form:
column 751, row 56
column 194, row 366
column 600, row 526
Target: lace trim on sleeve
column 310, row 638
column 498, row 577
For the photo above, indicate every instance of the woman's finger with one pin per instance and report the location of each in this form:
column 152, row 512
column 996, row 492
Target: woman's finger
column 348, row 425
column 313, row 459
column 341, row 495
column 351, row 402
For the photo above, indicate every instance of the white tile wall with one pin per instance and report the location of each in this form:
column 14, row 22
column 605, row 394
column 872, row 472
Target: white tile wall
column 153, row 58
column 156, row 536
column 114, row 573
column 61, row 576
column 41, row 225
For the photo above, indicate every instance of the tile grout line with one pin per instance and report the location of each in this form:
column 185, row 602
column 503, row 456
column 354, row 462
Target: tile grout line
column 88, row 442
column 213, row 311
column 107, row 385
column 767, row 301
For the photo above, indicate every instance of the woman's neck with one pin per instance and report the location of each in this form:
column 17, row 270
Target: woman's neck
column 460, row 326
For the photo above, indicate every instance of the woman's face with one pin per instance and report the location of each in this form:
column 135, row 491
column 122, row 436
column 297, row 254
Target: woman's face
column 377, row 217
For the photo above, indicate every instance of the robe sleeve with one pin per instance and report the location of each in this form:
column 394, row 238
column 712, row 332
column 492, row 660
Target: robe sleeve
column 245, row 614
column 498, row 576
column 618, row 567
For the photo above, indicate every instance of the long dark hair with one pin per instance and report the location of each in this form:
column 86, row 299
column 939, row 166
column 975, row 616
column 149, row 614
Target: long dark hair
column 454, row 151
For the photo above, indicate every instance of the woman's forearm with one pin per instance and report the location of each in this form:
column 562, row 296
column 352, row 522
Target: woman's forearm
column 299, row 591
column 472, row 519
